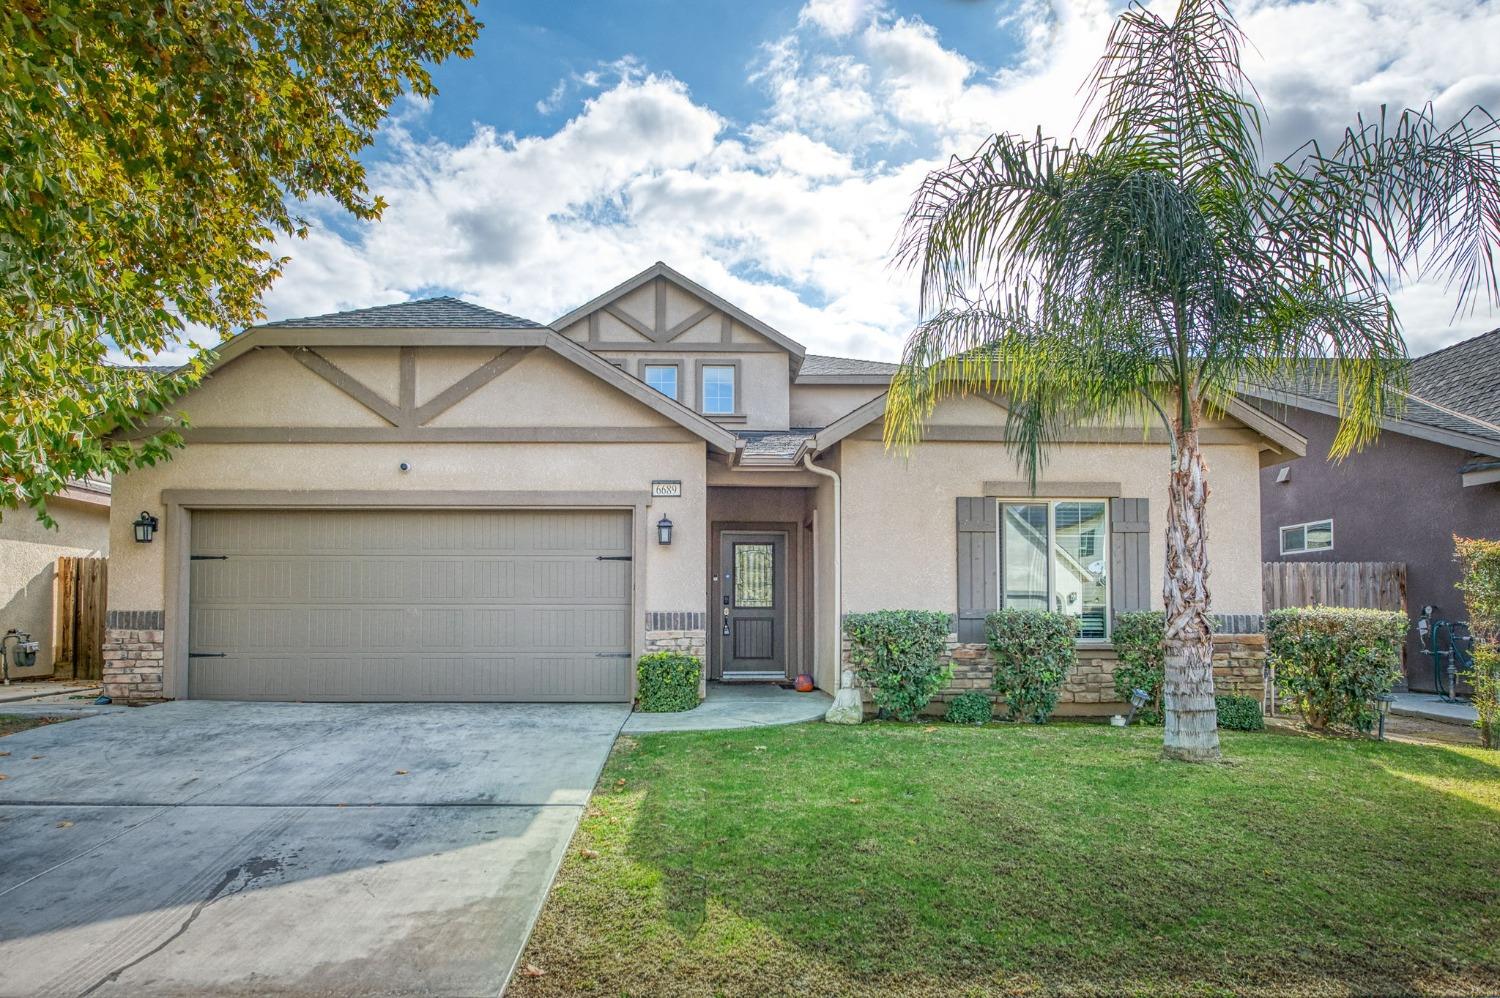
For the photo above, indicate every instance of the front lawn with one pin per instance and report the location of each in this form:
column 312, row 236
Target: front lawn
column 10, row 724
column 913, row 859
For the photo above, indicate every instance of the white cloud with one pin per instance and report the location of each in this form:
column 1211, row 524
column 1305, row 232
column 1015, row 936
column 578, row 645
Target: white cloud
column 793, row 214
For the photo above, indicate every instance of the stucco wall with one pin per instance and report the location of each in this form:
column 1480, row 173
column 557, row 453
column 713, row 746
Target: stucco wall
column 674, row 578
column 900, row 528
column 28, row 561
column 1401, row 499
column 820, row 405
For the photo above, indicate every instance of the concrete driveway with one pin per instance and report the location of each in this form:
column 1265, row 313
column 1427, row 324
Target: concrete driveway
column 308, row 849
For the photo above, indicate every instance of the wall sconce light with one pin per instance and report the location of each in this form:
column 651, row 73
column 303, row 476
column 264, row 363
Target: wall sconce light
column 664, row 531
column 145, row 527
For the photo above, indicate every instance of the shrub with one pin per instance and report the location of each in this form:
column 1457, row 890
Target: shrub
column 1480, row 562
column 1239, row 713
column 1033, row 652
column 667, row 681
column 1333, row 661
column 1140, row 640
column 970, row 708
column 895, row 653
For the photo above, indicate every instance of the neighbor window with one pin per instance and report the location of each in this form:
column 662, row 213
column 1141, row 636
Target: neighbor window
column 1053, row 556
column 662, row 377
column 1303, row 537
column 717, row 389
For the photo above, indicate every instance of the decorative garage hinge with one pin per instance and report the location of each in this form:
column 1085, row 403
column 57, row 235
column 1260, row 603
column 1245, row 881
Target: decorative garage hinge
column 612, row 557
column 208, row 557
column 205, row 654
column 611, row 654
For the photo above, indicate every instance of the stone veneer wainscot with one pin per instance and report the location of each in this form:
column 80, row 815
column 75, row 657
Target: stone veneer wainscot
column 1089, row 689
column 133, row 644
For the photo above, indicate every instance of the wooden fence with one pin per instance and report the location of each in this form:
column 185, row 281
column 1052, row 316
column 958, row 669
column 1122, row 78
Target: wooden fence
column 1375, row 585
column 78, row 643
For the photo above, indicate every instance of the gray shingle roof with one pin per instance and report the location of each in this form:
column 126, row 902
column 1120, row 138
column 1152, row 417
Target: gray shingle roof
column 445, row 312
column 820, row 366
column 774, row 444
column 1464, row 377
column 1456, row 389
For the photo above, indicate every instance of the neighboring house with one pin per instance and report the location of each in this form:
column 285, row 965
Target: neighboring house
column 1433, row 472
column 436, row 501
column 28, row 561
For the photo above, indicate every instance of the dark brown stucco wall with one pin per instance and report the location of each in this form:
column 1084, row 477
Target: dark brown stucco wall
column 1399, row 500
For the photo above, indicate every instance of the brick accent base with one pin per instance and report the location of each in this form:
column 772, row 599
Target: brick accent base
column 1089, row 690
column 133, row 644
column 691, row 642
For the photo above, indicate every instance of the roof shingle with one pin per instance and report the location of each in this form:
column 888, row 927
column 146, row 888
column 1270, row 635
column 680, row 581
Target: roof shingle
column 445, row 312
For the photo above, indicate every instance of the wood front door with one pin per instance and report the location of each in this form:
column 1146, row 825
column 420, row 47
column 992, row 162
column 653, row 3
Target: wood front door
column 752, row 605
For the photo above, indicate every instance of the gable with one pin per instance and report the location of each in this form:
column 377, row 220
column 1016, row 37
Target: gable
column 287, row 384
column 660, row 309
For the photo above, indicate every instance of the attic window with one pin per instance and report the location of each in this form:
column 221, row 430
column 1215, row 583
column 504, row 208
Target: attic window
column 717, row 390
column 662, row 377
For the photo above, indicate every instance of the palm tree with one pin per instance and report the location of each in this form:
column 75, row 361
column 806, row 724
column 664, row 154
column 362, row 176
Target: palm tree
column 1150, row 268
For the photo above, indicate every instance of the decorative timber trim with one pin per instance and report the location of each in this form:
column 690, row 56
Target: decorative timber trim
column 436, row 434
column 469, row 384
column 341, row 379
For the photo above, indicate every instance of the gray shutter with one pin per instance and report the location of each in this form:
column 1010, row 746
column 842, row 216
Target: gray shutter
column 978, row 566
column 1129, row 555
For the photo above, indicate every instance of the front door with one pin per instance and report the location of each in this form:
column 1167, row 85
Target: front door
column 752, row 605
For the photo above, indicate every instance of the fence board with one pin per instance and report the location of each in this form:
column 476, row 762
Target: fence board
column 78, row 639
column 1375, row 585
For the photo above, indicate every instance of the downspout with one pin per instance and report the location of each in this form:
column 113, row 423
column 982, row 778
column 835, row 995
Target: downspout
column 847, row 706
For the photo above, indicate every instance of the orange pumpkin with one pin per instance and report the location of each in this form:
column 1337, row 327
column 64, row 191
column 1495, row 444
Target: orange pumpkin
column 804, row 683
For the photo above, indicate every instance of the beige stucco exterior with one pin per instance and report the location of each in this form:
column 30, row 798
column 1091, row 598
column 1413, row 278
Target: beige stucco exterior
column 28, row 561
column 538, row 417
column 899, row 522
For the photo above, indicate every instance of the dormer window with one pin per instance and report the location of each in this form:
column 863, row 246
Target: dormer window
column 662, row 377
column 717, row 389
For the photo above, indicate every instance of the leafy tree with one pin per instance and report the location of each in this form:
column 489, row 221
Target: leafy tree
column 150, row 155
column 1151, row 266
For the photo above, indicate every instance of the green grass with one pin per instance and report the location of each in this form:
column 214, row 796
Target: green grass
column 940, row 859
column 10, row 724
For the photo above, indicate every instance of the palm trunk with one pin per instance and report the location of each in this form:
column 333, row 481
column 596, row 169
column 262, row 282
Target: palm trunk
column 1188, row 688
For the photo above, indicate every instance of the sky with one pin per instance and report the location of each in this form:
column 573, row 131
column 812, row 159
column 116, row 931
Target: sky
column 768, row 150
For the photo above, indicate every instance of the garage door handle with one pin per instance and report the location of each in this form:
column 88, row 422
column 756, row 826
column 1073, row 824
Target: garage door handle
column 206, row 654
column 612, row 557
column 611, row 654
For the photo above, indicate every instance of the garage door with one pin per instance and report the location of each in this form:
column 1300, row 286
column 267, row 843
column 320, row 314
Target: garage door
column 410, row 605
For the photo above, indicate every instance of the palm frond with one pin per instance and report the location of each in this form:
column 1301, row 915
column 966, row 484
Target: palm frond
column 1174, row 91
column 1395, row 199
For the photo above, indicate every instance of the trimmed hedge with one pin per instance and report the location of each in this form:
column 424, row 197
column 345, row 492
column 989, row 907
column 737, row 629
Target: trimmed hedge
column 1480, row 562
column 1140, row 640
column 1033, row 651
column 1239, row 713
column 667, row 681
column 972, row 707
column 1332, row 661
column 895, row 653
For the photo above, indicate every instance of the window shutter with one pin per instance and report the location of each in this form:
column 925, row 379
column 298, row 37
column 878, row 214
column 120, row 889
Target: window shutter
column 1129, row 555
column 978, row 566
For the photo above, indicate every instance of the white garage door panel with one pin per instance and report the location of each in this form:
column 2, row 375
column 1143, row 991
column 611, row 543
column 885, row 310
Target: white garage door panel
column 410, row 605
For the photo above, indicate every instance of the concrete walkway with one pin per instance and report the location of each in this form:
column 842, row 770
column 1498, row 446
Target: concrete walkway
column 21, row 690
column 736, row 705
column 1433, row 708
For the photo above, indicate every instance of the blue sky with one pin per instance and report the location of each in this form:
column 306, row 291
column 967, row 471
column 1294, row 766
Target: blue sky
column 768, row 150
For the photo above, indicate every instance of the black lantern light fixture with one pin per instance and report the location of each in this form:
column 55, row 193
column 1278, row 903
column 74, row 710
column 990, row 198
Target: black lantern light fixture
column 664, row 531
column 1383, row 703
column 145, row 527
